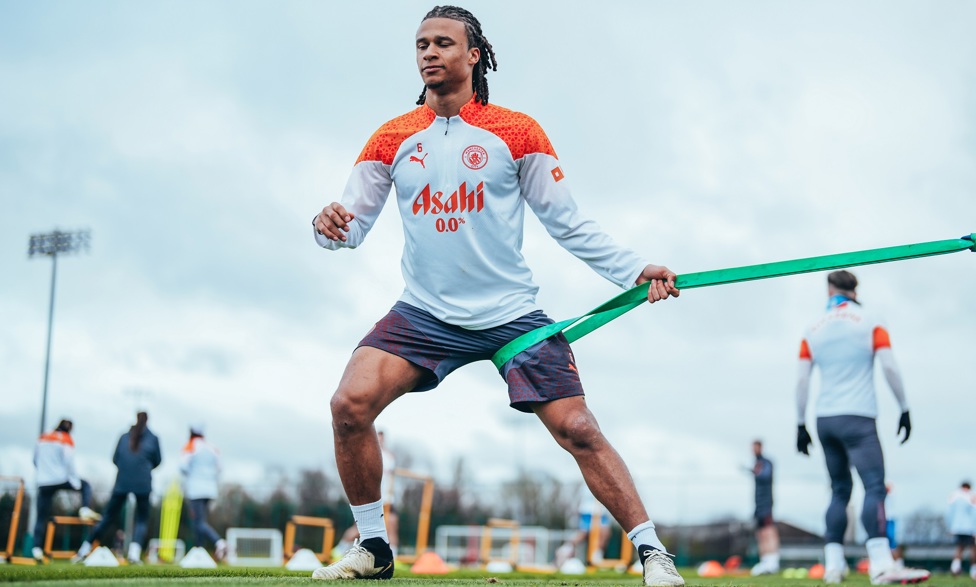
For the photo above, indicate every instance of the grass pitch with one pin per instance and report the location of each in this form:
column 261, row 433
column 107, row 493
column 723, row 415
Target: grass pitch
column 62, row 574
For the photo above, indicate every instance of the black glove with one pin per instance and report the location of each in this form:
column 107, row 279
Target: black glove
column 905, row 423
column 803, row 440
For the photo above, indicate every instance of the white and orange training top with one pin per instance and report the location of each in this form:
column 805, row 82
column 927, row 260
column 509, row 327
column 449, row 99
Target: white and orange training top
column 461, row 185
column 54, row 458
column 200, row 467
column 843, row 343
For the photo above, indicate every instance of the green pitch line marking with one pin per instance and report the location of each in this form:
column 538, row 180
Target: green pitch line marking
column 576, row 328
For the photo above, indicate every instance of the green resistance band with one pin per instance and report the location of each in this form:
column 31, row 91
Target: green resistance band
column 576, row 328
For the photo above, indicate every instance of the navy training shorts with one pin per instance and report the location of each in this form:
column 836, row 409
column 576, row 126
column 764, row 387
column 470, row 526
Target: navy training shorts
column 544, row 372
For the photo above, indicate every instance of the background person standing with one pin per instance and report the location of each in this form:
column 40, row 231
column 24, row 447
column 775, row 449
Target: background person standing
column 767, row 536
column 136, row 455
column 844, row 344
column 960, row 519
column 200, row 468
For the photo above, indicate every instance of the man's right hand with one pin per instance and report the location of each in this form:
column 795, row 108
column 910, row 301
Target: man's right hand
column 803, row 440
column 332, row 221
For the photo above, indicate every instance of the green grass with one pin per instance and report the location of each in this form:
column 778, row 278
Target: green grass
column 60, row 574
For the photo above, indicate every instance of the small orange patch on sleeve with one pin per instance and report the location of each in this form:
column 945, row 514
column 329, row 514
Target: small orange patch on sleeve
column 805, row 351
column 557, row 173
column 881, row 339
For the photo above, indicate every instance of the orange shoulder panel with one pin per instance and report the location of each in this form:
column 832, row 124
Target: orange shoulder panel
column 188, row 447
column 521, row 132
column 383, row 145
column 57, row 436
column 881, row 339
column 805, row 350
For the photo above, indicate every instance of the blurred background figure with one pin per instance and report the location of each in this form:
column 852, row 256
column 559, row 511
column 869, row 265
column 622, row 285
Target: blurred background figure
column 589, row 510
column 200, row 467
column 961, row 521
column 136, row 455
column 894, row 526
column 54, row 459
column 844, row 343
column 767, row 536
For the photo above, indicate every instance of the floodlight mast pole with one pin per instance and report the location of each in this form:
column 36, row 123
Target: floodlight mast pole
column 50, row 245
column 47, row 350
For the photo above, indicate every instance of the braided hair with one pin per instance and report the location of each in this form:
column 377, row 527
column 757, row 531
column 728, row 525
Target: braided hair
column 476, row 39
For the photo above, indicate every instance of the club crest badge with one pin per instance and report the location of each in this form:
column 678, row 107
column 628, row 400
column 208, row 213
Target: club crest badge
column 475, row 157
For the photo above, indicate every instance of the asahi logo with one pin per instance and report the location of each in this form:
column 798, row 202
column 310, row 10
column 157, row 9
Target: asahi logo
column 461, row 200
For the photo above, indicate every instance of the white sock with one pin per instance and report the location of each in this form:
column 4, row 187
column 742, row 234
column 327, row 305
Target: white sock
column 771, row 560
column 879, row 554
column 834, row 556
column 645, row 534
column 84, row 549
column 369, row 520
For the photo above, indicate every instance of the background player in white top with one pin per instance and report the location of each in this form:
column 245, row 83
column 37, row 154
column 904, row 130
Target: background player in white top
column 589, row 512
column 54, row 458
column 960, row 519
column 200, row 468
column 844, row 343
column 464, row 170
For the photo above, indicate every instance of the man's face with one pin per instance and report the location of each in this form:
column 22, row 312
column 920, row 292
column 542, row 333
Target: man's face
column 756, row 448
column 443, row 56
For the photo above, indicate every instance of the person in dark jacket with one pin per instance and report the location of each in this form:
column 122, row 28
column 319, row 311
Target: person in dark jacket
column 136, row 455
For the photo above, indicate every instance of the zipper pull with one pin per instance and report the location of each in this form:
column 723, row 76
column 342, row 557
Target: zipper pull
column 447, row 126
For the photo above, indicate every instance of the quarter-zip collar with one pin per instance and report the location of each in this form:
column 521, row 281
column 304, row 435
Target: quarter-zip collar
column 467, row 111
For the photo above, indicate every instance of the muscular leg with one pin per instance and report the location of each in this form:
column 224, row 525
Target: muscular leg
column 371, row 381
column 867, row 458
column 575, row 429
column 767, row 538
column 841, row 482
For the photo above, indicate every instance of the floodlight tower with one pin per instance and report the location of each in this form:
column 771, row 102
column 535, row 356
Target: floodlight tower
column 51, row 245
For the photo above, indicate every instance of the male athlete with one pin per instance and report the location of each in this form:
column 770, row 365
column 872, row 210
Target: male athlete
column 960, row 520
column 767, row 536
column 464, row 170
column 844, row 343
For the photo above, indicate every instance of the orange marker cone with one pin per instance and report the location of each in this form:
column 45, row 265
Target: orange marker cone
column 430, row 564
column 710, row 569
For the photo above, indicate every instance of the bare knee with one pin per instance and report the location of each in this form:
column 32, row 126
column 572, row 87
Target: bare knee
column 579, row 433
column 351, row 412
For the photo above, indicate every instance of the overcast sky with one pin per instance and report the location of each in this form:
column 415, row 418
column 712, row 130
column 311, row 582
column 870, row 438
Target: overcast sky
column 197, row 139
